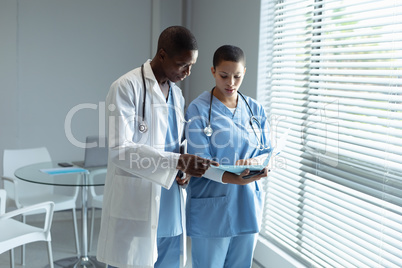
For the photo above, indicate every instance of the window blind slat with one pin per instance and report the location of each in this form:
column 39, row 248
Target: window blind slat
column 356, row 56
column 393, row 65
column 387, row 36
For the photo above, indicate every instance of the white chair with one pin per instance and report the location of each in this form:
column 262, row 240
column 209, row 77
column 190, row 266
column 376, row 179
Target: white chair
column 95, row 200
column 15, row 233
column 22, row 194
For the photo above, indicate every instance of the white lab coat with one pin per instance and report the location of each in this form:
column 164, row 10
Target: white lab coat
column 137, row 168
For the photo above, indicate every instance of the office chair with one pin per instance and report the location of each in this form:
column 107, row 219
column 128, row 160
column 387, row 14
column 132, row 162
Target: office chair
column 15, row 233
column 22, row 194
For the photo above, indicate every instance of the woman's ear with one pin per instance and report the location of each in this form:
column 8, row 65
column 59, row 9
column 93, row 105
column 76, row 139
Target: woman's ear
column 213, row 71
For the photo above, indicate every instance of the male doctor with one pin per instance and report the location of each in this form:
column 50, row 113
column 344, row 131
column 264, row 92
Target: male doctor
column 142, row 221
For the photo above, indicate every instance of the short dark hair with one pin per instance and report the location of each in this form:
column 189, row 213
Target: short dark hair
column 229, row 53
column 176, row 39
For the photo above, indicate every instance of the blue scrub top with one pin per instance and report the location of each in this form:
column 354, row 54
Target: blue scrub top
column 215, row 209
column 169, row 212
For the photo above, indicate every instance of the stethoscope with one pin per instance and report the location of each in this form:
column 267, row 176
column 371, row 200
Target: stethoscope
column 208, row 131
column 142, row 127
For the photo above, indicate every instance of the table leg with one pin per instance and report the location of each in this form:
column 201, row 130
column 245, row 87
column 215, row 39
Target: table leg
column 84, row 260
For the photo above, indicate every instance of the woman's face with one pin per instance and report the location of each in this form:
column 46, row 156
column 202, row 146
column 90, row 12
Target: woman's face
column 178, row 67
column 228, row 78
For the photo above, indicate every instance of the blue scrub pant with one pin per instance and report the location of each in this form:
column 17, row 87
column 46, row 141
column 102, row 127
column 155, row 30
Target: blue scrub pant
column 168, row 252
column 225, row 252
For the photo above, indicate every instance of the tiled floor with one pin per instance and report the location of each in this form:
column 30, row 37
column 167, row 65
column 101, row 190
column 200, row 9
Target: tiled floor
column 63, row 243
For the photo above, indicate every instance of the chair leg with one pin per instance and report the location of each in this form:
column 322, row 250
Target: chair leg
column 23, row 246
column 91, row 234
column 12, row 258
column 50, row 254
column 77, row 244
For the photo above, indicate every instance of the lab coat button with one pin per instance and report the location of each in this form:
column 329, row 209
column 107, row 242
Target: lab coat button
column 153, row 226
column 157, row 198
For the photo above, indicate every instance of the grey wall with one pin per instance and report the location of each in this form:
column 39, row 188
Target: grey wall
column 8, row 76
column 68, row 52
column 61, row 55
column 221, row 22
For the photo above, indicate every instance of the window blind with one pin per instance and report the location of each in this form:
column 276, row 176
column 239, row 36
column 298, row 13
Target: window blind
column 330, row 71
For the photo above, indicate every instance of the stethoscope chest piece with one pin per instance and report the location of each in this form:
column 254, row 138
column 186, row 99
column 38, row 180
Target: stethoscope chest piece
column 142, row 127
column 208, row 131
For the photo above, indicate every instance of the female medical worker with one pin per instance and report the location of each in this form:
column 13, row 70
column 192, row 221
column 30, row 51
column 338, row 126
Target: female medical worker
column 141, row 224
column 224, row 209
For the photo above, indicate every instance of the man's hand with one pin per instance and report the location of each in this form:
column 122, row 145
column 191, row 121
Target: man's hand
column 183, row 181
column 194, row 165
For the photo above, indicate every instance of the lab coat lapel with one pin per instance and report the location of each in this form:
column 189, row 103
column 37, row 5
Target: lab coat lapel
column 178, row 110
column 153, row 84
column 157, row 103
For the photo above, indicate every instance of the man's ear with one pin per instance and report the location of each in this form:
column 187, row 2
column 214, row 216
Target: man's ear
column 162, row 54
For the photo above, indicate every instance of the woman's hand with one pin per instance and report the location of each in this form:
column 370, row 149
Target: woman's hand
column 232, row 178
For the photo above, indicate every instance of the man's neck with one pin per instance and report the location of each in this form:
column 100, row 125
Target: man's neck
column 163, row 81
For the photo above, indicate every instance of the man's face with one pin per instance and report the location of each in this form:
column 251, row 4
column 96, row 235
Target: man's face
column 179, row 67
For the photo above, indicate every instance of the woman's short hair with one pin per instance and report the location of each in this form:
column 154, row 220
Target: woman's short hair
column 229, row 53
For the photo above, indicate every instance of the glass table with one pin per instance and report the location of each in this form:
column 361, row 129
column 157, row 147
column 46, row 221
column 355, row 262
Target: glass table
column 33, row 173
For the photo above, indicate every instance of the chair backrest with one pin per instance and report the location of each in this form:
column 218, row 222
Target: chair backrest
column 14, row 159
column 96, row 190
column 2, row 201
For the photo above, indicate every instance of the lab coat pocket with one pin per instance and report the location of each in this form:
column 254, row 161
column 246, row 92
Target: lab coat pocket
column 130, row 198
column 209, row 217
